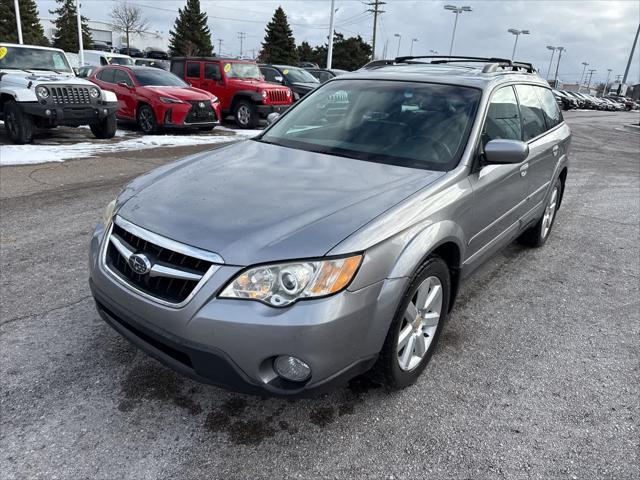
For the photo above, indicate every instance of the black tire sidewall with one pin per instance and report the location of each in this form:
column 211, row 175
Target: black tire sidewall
column 395, row 376
column 23, row 122
column 106, row 128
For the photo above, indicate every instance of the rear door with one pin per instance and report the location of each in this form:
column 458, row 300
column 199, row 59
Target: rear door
column 500, row 191
column 193, row 74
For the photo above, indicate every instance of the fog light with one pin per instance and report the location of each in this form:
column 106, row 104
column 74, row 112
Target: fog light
column 105, row 111
column 292, row 368
column 47, row 113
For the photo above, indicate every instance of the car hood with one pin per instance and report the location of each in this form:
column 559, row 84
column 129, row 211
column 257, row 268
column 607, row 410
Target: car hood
column 36, row 77
column 181, row 93
column 254, row 84
column 253, row 202
column 305, row 85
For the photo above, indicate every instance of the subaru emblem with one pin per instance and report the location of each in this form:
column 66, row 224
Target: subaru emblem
column 139, row 263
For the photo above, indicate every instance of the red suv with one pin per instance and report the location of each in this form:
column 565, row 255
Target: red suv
column 155, row 98
column 237, row 83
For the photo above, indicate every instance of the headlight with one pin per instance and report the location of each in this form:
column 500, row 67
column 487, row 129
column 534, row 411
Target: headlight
column 281, row 284
column 170, row 100
column 264, row 94
column 107, row 216
column 214, row 100
column 94, row 92
column 42, row 92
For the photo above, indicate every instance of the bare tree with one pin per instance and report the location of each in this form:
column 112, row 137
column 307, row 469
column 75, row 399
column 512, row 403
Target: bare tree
column 128, row 19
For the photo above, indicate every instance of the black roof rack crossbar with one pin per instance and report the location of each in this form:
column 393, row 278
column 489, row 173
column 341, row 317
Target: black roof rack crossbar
column 492, row 63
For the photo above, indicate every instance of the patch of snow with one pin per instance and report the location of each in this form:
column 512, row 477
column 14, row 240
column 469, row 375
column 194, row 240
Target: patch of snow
column 30, row 154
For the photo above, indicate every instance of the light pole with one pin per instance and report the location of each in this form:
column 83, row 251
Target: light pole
column 18, row 22
column 555, row 80
column 399, row 39
column 80, row 46
column 411, row 50
column 589, row 84
column 330, row 47
column 517, row 33
column 456, row 10
column 584, row 68
column 606, row 83
column 553, row 51
column 626, row 70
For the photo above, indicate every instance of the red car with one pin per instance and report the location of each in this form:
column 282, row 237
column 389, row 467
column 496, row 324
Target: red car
column 155, row 98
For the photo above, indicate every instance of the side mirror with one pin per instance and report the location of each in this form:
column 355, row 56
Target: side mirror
column 272, row 117
column 124, row 85
column 506, row 151
column 279, row 79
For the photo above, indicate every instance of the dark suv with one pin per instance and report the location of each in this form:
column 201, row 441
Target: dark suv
column 297, row 79
column 238, row 84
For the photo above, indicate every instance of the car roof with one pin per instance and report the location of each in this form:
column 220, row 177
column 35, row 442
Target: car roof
column 212, row 59
column 478, row 75
column 39, row 47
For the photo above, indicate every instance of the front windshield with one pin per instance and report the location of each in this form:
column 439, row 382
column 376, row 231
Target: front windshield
column 242, row 70
column 33, row 59
column 417, row 125
column 158, row 78
column 119, row 61
column 298, row 75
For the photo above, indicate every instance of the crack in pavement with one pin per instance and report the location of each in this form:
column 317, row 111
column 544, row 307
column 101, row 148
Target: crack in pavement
column 30, row 315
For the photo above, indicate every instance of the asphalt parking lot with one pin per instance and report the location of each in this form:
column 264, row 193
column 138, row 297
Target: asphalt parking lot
column 537, row 374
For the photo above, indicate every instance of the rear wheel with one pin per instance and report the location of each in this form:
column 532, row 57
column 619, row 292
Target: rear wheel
column 416, row 326
column 245, row 115
column 146, row 120
column 106, row 128
column 18, row 125
column 537, row 235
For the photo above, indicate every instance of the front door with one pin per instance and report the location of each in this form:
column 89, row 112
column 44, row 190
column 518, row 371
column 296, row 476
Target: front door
column 500, row 191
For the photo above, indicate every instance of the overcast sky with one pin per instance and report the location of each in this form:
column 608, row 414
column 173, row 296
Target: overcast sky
column 598, row 32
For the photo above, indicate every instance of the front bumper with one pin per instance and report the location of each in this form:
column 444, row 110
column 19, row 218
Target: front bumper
column 82, row 114
column 232, row 343
column 265, row 110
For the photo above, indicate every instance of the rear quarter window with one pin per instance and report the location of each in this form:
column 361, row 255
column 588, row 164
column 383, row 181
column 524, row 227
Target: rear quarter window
column 107, row 75
column 552, row 114
column 533, row 123
column 193, row 70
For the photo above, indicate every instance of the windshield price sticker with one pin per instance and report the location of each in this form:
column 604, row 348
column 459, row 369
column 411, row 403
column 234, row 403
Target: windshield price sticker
column 286, row 72
column 227, row 67
column 3, row 52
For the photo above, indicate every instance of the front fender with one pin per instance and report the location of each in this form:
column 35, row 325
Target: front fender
column 20, row 94
column 108, row 96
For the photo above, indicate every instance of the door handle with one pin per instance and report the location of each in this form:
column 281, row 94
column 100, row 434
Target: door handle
column 523, row 169
column 555, row 149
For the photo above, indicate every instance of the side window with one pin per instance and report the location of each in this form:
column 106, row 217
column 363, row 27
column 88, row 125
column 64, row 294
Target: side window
column 193, row 70
column 550, row 108
column 212, row 71
column 177, row 68
column 103, row 61
column 270, row 74
column 107, row 75
column 503, row 117
column 531, row 111
column 122, row 77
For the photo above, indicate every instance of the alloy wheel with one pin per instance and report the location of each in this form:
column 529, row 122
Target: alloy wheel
column 549, row 213
column 145, row 120
column 244, row 114
column 419, row 324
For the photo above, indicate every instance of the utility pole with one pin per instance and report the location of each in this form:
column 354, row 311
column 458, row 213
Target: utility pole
column 376, row 4
column 241, row 36
column 18, row 22
column 81, row 48
column 555, row 80
column 626, row 70
column 330, row 47
column 219, row 47
column 589, row 84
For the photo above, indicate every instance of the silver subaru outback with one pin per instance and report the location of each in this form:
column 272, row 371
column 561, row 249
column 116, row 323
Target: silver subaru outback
column 334, row 242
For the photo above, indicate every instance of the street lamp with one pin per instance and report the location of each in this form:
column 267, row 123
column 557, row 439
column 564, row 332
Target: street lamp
column 555, row 80
column 584, row 68
column 553, row 51
column 517, row 33
column 606, row 83
column 433, row 52
column 399, row 39
column 456, row 10
column 411, row 50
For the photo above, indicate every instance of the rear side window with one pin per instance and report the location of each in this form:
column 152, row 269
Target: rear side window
column 211, row 71
column 503, row 117
column 107, row 75
column 193, row 70
column 550, row 109
column 177, row 68
column 531, row 110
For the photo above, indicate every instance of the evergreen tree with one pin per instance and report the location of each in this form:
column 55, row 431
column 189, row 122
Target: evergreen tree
column 279, row 46
column 350, row 53
column 66, row 23
column 190, row 34
column 32, row 32
column 306, row 53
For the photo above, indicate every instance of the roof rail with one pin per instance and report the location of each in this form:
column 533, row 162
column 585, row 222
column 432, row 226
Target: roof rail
column 492, row 63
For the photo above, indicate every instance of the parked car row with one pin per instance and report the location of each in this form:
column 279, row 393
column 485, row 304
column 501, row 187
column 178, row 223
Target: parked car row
column 568, row 100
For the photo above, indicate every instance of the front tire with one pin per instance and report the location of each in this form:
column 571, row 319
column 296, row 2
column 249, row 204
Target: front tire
column 537, row 235
column 416, row 326
column 146, row 119
column 245, row 115
column 18, row 125
column 106, row 128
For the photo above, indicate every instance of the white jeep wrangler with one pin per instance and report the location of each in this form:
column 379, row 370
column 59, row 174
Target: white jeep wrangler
column 38, row 88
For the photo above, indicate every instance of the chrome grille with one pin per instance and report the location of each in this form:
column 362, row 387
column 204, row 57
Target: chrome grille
column 278, row 96
column 70, row 95
column 172, row 277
